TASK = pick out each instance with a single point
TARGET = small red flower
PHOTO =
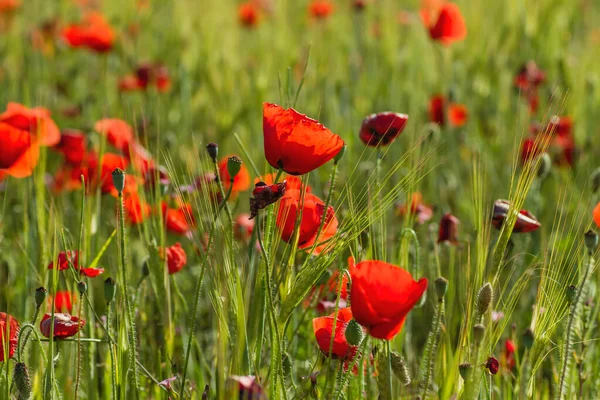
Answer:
(241, 181)
(383, 128)
(176, 258)
(449, 26)
(8, 6)
(457, 114)
(178, 220)
(63, 301)
(248, 387)
(448, 231)
(136, 209)
(320, 9)
(118, 132)
(91, 272)
(65, 325)
(249, 14)
(436, 110)
(147, 74)
(596, 214)
(492, 365)
(93, 32)
(562, 148)
(323, 330)
(264, 195)
(312, 214)
(295, 143)
(417, 208)
(72, 145)
(9, 332)
(66, 259)
(509, 353)
(526, 222)
(382, 295)
(527, 81)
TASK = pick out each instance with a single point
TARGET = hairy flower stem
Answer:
(573, 313)
(129, 309)
(432, 353)
(390, 387)
(111, 348)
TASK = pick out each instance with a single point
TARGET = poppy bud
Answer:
(492, 365)
(234, 164)
(571, 293)
(448, 231)
(464, 370)
(110, 288)
(545, 166)
(591, 240)
(354, 333)
(82, 287)
(595, 180)
(478, 333)
(340, 154)
(400, 369)
(40, 296)
(22, 381)
(441, 286)
(528, 338)
(118, 177)
(213, 151)
(484, 298)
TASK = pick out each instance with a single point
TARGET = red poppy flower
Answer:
(448, 231)
(382, 295)
(312, 213)
(562, 148)
(244, 226)
(436, 110)
(264, 195)
(295, 143)
(176, 219)
(8, 6)
(20, 152)
(136, 209)
(72, 146)
(9, 332)
(457, 114)
(422, 212)
(92, 32)
(323, 327)
(248, 15)
(596, 214)
(91, 272)
(332, 285)
(320, 9)
(65, 325)
(176, 258)
(492, 365)
(383, 128)
(147, 74)
(292, 181)
(509, 353)
(530, 76)
(63, 301)
(449, 26)
(118, 132)
(526, 222)
(248, 387)
(66, 259)
(36, 121)
(241, 181)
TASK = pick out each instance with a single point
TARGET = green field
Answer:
(420, 176)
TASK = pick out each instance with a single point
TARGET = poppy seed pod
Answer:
(213, 151)
(464, 369)
(441, 286)
(571, 293)
(528, 338)
(40, 296)
(118, 178)
(591, 240)
(354, 333)
(400, 369)
(81, 287)
(234, 164)
(110, 288)
(484, 298)
(478, 333)
(22, 381)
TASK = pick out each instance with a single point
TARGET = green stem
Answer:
(111, 349)
(390, 387)
(430, 362)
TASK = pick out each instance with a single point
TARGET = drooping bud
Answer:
(591, 240)
(234, 164)
(82, 287)
(595, 180)
(340, 154)
(571, 293)
(118, 177)
(545, 166)
(22, 381)
(354, 333)
(464, 370)
(400, 369)
(40, 296)
(484, 298)
(213, 151)
(492, 365)
(528, 338)
(441, 286)
(478, 333)
(110, 288)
